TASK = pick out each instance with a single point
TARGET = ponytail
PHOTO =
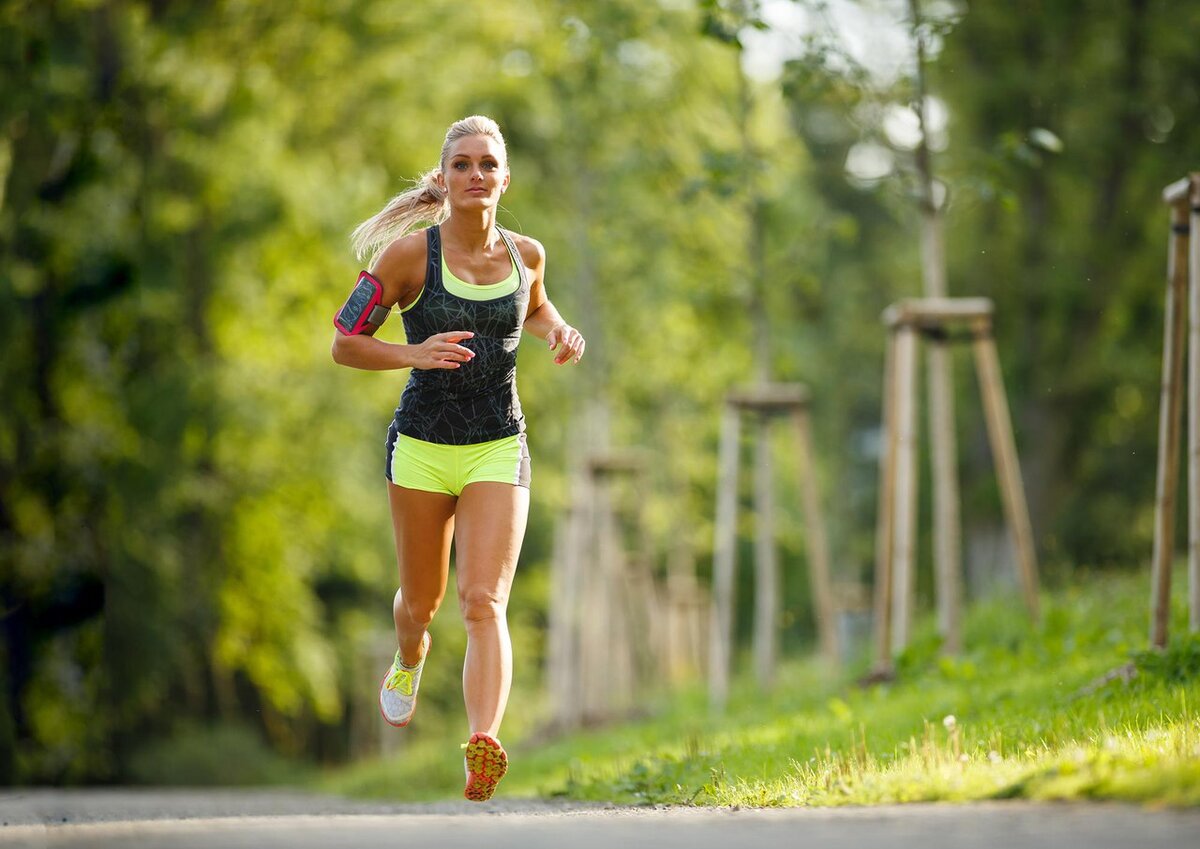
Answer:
(426, 201)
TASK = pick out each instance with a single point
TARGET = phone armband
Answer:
(363, 307)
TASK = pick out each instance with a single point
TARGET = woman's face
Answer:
(475, 172)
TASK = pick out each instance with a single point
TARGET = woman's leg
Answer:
(489, 527)
(424, 526)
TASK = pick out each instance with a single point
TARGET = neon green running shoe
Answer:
(398, 690)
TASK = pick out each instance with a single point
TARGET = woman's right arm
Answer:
(400, 270)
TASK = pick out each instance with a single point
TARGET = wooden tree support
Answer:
(606, 610)
(764, 402)
(895, 538)
(1181, 316)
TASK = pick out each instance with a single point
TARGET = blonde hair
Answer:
(426, 201)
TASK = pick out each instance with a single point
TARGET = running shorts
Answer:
(429, 466)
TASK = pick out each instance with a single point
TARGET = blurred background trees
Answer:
(193, 526)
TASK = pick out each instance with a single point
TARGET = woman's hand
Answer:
(567, 342)
(442, 350)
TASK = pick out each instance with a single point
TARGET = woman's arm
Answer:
(542, 319)
(400, 270)
(567, 342)
(364, 351)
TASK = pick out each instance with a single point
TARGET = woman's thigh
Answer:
(424, 527)
(489, 528)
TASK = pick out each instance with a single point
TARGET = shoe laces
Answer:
(401, 679)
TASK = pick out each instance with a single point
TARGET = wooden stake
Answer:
(1194, 413)
(614, 649)
(766, 564)
(885, 514)
(1169, 405)
(724, 562)
(947, 545)
(904, 547)
(1008, 470)
(818, 545)
(594, 601)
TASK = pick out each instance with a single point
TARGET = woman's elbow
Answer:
(338, 349)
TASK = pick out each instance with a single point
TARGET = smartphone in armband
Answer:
(363, 307)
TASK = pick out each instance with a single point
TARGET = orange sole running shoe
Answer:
(486, 764)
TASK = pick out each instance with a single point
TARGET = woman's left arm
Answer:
(542, 319)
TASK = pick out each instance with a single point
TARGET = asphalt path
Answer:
(183, 819)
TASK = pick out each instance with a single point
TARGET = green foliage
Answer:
(192, 520)
(664, 775)
(220, 755)
(1177, 663)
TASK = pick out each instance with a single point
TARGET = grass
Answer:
(1022, 713)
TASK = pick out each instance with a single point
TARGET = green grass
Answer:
(1022, 713)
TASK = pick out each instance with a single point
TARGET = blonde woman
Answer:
(457, 463)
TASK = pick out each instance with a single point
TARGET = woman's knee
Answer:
(479, 604)
(420, 611)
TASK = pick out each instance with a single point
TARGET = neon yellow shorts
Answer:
(416, 464)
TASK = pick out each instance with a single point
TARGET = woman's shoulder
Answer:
(403, 257)
(531, 250)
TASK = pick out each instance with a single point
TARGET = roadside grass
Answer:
(1076, 709)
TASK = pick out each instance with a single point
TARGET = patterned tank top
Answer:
(476, 402)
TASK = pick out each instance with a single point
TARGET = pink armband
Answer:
(363, 307)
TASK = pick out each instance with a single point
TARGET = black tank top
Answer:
(476, 402)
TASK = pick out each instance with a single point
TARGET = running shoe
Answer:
(398, 690)
(486, 763)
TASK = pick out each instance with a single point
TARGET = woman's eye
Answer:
(461, 166)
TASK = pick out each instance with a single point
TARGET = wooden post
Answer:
(947, 544)
(612, 655)
(594, 604)
(766, 564)
(1194, 413)
(905, 503)
(1004, 452)
(724, 562)
(818, 545)
(884, 518)
(1169, 405)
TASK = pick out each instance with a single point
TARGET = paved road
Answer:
(187, 819)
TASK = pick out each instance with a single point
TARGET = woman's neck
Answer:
(473, 233)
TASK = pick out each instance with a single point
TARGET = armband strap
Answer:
(379, 314)
(363, 307)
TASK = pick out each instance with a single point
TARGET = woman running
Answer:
(457, 462)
